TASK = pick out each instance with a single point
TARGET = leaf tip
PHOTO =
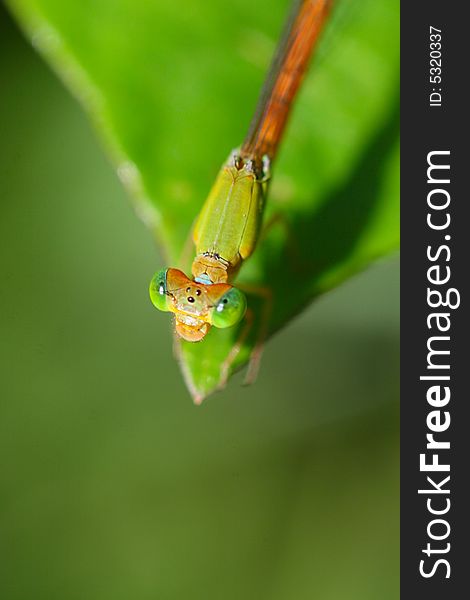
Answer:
(197, 397)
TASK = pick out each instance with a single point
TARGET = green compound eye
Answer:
(158, 289)
(229, 310)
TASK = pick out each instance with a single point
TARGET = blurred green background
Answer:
(113, 485)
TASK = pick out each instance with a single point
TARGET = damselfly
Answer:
(229, 225)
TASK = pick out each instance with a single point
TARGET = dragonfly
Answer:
(229, 225)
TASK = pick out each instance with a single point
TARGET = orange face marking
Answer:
(192, 304)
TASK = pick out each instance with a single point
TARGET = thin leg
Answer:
(232, 355)
(255, 358)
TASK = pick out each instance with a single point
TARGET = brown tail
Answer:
(284, 78)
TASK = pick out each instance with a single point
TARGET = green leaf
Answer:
(171, 86)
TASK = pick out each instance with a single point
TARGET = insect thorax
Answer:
(210, 268)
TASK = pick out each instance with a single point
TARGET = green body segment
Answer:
(229, 223)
